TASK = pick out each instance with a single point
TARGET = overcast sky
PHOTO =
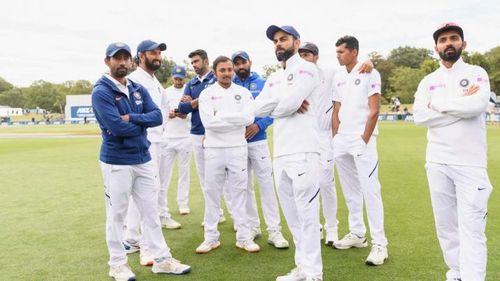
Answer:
(65, 40)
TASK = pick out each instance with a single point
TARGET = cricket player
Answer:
(259, 159)
(178, 143)
(124, 110)
(451, 102)
(290, 96)
(354, 126)
(225, 110)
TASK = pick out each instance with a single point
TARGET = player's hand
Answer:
(303, 107)
(472, 90)
(186, 98)
(182, 116)
(366, 67)
(171, 114)
(194, 103)
(125, 118)
(251, 131)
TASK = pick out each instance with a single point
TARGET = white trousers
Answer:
(259, 163)
(459, 197)
(136, 182)
(180, 148)
(327, 182)
(221, 165)
(357, 165)
(296, 178)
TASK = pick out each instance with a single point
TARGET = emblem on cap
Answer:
(357, 81)
(464, 82)
(119, 44)
(237, 97)
(290, 77)
(178, 70)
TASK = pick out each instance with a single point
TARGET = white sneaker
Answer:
(131, 247)
(248, 246)
(294, 275)
(169, 223)
(349, 241)
(121, 273)
(277, 240)
(255, 233)
(171, 266)
(207, 246)
(331, 237)
(377, 255)
(145, 258)
(184, 210)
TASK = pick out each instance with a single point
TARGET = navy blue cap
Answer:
(178, 72)
(148, 45)
(114, 48)
(240, 54)
(309, 47)
(285, 28)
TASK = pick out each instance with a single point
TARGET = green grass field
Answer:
(52, 222)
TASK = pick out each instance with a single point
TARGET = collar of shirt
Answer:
(454, 67)
(120, 86)
(145, 73)
(201, 78)
(294, 60)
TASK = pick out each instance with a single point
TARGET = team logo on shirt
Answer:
(137, 95)
(464, 82)
(290, 77)
(237, 97)
(357, 81)
(253, 86)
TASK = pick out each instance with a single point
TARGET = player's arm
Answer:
(265, 103)
(371, 122)
(210, 116)
(335, 117)
(240, 118)
(185, 105)
(151, 115)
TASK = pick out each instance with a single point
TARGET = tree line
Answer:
(400, 71)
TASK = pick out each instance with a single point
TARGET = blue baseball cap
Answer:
(178, 72)
(114, 48)
(285, 28)
(240, 54)
(148, 45)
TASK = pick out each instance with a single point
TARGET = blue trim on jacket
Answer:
(124, 143)
(193, 89)
(254, 83)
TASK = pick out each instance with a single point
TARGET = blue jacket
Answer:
(124, 143)
(254, 83)
(193, 89)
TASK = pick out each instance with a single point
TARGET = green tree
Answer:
(493, 58)
(163, 74)
(385, 68)
(80, 87)
(4, 85)
(13, 98)
(409, 56)
(46, 95)
(404, 82)
(268, 69)
(429, 65)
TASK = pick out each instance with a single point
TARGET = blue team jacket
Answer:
(193, 89)
(124, 143)
(254, 83)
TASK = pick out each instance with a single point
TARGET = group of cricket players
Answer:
(321, 119)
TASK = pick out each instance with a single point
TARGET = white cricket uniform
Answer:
(326, 178)
(178, 144)
(157, 93)
(296, 155)
(225, 113)
(456, 164)
(356, 161)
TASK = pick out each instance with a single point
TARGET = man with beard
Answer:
(149, 57)
(451, 102)
(259, 159)
(124, 109)
(354, 127)
(290, 97)
(189, 104)
(225, 110)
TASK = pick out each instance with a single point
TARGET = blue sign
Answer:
(82, 111)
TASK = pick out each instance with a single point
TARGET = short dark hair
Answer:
(219, 60)
(203, 55)
(351, 42)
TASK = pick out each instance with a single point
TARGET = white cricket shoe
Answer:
(294, 275)
(377, 255)
(184, 210)
(255, 233)
(131, 246)
(171, 266)
(349, 241)
(207, 246)
(121, 273)
(145, 258)
(248, 246)
(169, 223)
(331, 237)
(277, 240)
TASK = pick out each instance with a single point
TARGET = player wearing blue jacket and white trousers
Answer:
(225, 110)
(124, 110)
(290, 98)
(259, 159)
(354, 125)
(451, 102)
